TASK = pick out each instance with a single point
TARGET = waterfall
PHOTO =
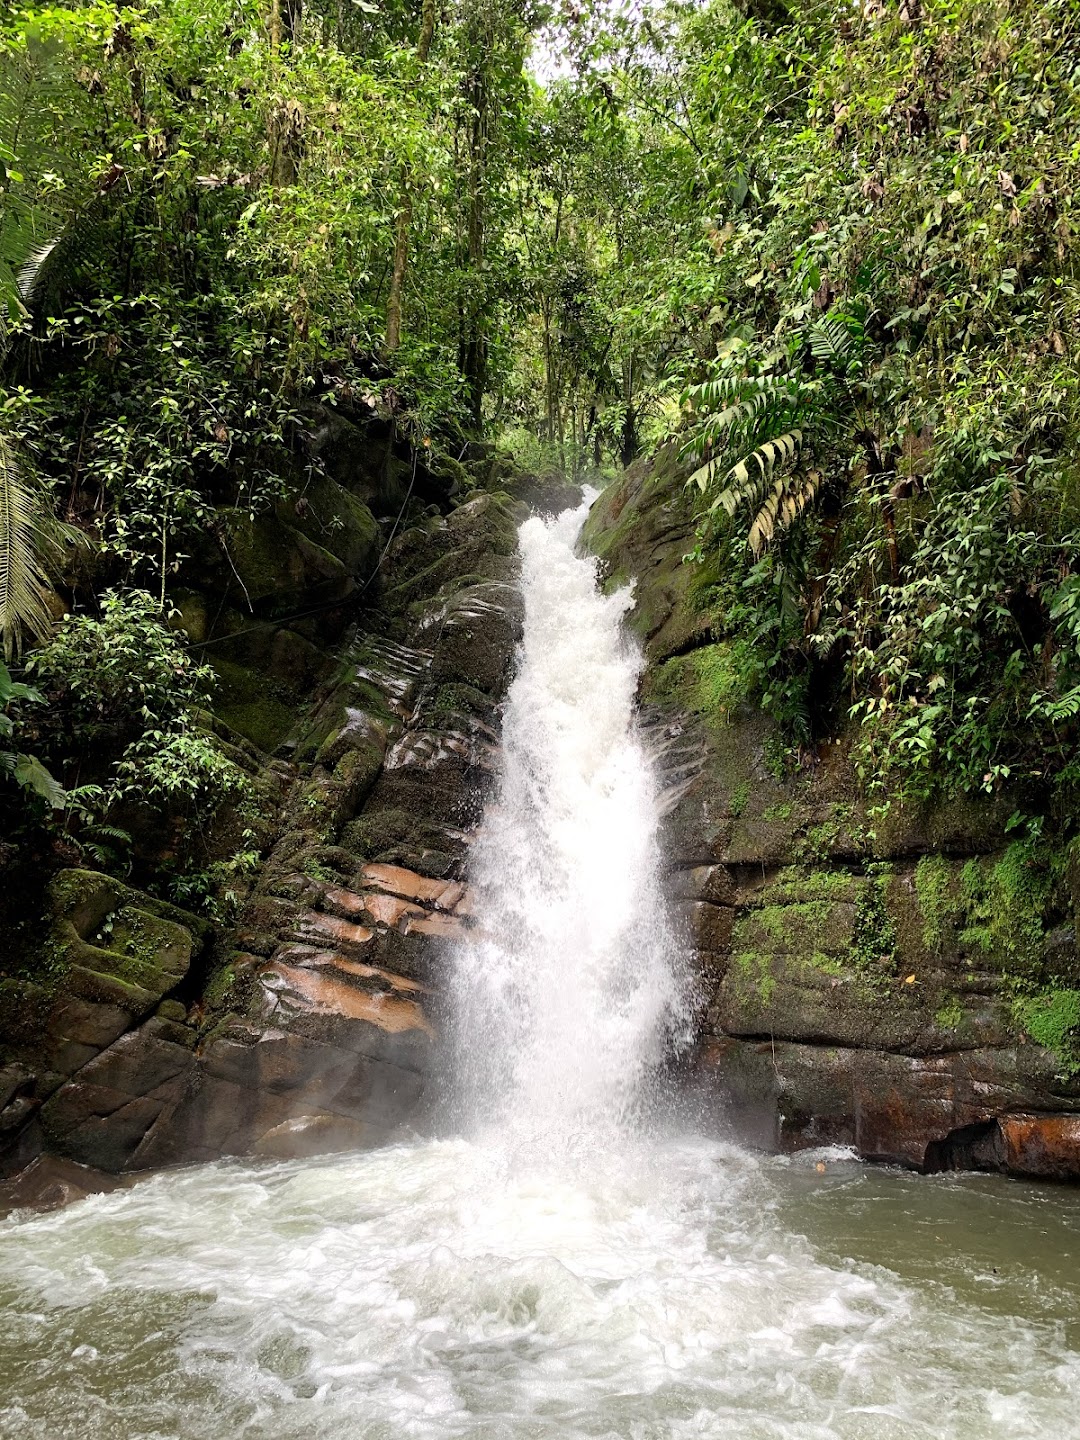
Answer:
(564, 1005)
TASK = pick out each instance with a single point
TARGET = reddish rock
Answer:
(396, 880)
(443, 927)
(344, 903)
(941, 1112)
(322, 928)
(308, 958)
(1043, 1146)
(390, 911)
(321, 992)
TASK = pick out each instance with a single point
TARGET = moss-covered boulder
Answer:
(640, 527)
(115, 946)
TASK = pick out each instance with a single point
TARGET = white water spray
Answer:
(565, 1005)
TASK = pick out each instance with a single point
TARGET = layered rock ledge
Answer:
(865, 979)
(138, 1036)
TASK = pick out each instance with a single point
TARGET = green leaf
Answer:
(32, 775)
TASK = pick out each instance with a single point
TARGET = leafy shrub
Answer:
(124, 697)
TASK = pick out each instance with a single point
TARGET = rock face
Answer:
(149, 1038)
(893, 983)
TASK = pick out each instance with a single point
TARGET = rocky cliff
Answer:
(885, 980)
(135, 1035)
(880, 977)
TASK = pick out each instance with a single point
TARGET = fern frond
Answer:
(31, 271)
(836, 341)
(28, 543)
(791, 495)
(32, 775)
(52, 267)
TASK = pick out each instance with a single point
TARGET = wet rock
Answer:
(1044, 1147)
(899, 1108)
(396, 880)
(306, 1135)
(49, 1183)
(314, 1029)
(480, 626)
(714, 884)
(859, 974)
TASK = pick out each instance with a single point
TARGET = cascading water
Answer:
(559, 1270)
(565, 1003)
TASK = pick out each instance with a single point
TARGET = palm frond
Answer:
(29, 543)
(836, 341)
(763, 484)
(790, 496)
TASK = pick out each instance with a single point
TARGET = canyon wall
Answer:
(873, 976)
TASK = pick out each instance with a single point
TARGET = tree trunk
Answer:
(405, 209)
(286, 126)
(628, 445)
(474, 353)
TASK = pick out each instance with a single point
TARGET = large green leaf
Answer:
(32, 774)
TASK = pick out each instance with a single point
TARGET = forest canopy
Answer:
(825, 254)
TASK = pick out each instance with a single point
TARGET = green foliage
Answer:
(1052, 1019)
(828, 254)
(26, 771)
(847, 243)
(123, 685)
(761, 427)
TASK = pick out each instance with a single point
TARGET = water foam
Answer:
(441, 1290)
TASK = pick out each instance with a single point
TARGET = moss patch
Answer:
(796, 883)
(874, 937)
(937, 902)
(1052, 1019)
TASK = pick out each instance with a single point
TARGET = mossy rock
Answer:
(808, 885)
(481, 625)
(269, 566)
(266, 676)
(336, 521)
(246, 707)
(803, 928)
(371, 834)
(117, 945)
(477, 539)
(640, 527)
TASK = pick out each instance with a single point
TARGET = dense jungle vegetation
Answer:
(828, 252)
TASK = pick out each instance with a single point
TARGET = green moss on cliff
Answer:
(933, 886)
(1051, 1018)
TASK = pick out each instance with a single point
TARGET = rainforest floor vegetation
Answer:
(825, 253)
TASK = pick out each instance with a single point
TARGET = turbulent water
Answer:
(560, 1267)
